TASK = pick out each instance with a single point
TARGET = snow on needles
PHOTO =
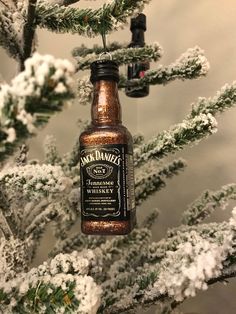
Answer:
(45, 80)
(35, 181)
(188, 269)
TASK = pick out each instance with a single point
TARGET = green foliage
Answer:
(153, 180)
(86, 22)
(124, 56)
(207, 203)
(83, 51)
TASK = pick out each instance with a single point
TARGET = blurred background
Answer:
(176, 25)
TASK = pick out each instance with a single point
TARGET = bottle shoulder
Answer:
(102, 135)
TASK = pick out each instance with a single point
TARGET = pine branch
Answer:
(31, 184)
(191, 130)
(15, 257)
(37, 226)
(21, 158)
(78, 242)
(68, 213)
(10, 218)
(207, 203)
(129, 259)
(31, 98)
(35, 182)
(86, 22)
(191, 64)
(148, 261)
(6, 230)
(224, 99)
(150, 181)
(9, 39)
(170, 277)
(60, 284)
(28, 32)
(207, 230)
(113, 250)
(227, 273)
(124, 292)
(180, 135)
(51, 152)
(124, 56)
(138, 139)
(83, 51)
(151, 219)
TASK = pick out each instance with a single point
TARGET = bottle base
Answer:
(137, 93)
(106, 227)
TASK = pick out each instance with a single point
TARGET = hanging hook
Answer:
(105, 54)
(103, 32)
(104, 40)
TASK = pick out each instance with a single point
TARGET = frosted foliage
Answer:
(38, 71)
(207, 203)
(124, 55)
(188, 269)
(14, 257)
(95, 274)
(194, 56)
(85, 89)
(187, 132)
(44, 77)
(191, 64)
(58, 274)
(35, 181)
(83, 285)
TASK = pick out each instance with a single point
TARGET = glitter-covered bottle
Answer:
(106, 160)
(137, 70)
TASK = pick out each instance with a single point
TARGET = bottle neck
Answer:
(138, 38)
(106, 109)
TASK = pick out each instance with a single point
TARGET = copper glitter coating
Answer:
(106, 128)
(108, 227)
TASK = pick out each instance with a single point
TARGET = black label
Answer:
(107, 182)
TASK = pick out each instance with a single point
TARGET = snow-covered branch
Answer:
(34, 182)
(10, 38)
(77, 241)
(50, 151)
(185, 264)
(87, 22)
(60, 284)
(224, 99)
(151, 219)
(150, 178)
(32, 97)
(190, 65)
(207, 203)
(124, 56)
(27, 199)
(180, 135)
(83, 51)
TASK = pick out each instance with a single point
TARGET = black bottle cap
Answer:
(104, 70)
(139, 22)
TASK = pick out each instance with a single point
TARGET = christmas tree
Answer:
(96, 274)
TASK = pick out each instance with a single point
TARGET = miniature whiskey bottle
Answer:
(137, 70)
(106, 160)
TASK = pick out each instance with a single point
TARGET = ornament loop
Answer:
(105, 55)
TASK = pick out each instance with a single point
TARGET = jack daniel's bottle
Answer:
(137, 70)
(106, 160)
